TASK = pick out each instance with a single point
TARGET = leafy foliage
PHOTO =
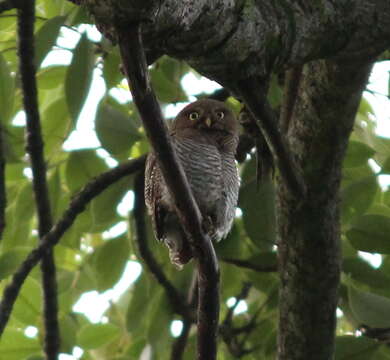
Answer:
(90, 258)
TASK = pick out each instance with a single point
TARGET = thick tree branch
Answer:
(76, 206)
(254, 36)
(34, 147)
(134, 63)
(177, 301)
(309, 231)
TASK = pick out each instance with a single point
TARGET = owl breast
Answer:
(213, 178)
(214, 181)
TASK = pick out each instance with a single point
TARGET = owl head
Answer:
(209, 117)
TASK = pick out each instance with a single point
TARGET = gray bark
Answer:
(228, 40)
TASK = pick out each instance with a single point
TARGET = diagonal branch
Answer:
(252, 92)
(26, 14)
(250, 265)
(76, 206)
(174, 296)
(134, 63)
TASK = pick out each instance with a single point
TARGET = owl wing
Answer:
(153, 195)
(226, 206)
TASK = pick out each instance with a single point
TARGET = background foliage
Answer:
(88, 258)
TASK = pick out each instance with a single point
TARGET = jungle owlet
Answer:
(204, 135)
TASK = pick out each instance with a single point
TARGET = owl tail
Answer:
(180, 252)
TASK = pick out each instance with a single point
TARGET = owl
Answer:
(205, 136)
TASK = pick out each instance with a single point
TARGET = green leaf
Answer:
(68, 330)
(79, 76)
(361, 271)
(110, 261)
(7, 91)
(15, 345)
(10, 261)
(56, 126)
(103, 207)
(13, 138)
(51, 77)
(231, 246)
(81, 167)
(258, 208)
(28, 305)
(25, 203)
(111, 72)
(357, 154)
(371, 233)
(115, 130)
(370, 309)
(386, 166)
(165, 76)
(355, 348)
(93, 336)
(139, 305)
(159, 320)
(46, 38)
(357, 197)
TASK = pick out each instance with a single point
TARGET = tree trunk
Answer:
(309, 234)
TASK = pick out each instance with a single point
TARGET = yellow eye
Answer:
(220, 115)
(194, 116)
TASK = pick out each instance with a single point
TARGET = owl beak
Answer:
(208, 122)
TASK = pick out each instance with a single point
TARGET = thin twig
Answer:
(180, 343)
(249, 265)
(177, 301)
(76, 206)
(134, 63)
(34, 148)
(252, 92)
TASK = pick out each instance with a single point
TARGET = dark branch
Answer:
(264, 161)
(76, 206)
(179, 345)
(252, 93)
(177, 301)
(134, 63)
(241, 296)
(219, 94)
(6, 5)
(249, 265)
(34, 147)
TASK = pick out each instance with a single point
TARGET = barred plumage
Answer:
(205, 137)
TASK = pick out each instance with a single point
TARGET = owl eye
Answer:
(220, 115)
(194, 116)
